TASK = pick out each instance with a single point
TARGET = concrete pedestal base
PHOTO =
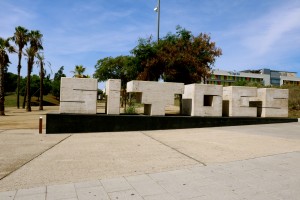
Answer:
(83, 123)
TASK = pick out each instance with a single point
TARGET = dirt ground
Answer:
(20, 119)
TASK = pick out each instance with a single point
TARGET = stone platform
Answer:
(83, 123)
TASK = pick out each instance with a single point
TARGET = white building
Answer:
(263, 76)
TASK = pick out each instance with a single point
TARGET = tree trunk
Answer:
(28, 108)
(19, 77)
(18, 87)
(41, 86)
(2, 94)
(25, 96)
(180, 104)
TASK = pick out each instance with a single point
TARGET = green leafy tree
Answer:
(121, 67)
(56, 82)
(10, 82)
(35, 40)
(146, 60)
(20, 38)
(5, 49)
(35, 85)
(180, 57)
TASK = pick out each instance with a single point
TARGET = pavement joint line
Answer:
(190, 157)
(265, 156)
(35, 157)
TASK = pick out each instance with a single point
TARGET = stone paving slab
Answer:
(285, 130)
(270, 177)
(225, 144)
(82, 157)
(85, 156)
(20, 146)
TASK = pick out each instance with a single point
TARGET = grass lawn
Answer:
(11, 100)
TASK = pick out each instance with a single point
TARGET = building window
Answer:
(275, 81)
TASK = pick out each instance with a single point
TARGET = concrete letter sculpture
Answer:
(155, 95)
(78, 95)
(274, 102)
(113, 89)
(202, 100)
(236, 101)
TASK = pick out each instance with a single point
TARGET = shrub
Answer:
(130, 109)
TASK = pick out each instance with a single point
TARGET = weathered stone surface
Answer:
(202, 100)
(155, 95)
(236, 101)
(113, 89)
(78, 95)
(274, 102)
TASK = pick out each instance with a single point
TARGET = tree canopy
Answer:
(121, 67)
(180, 57)
(78, 72)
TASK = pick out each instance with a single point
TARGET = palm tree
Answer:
(5, 48)
(20, 38)
(41, 63)
(35, 40)
(79, 70)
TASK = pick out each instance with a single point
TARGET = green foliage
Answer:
(146, 60)
(78, 72)
(248, 84)
(35, 85)
(55, 91)
(99, 91)
(121, 67)
(294, 96)
(5, 49)
(180, 57)
(131, 109)
(10, 82)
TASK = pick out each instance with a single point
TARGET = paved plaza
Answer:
(239, 162)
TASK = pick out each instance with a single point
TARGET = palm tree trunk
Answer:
(2, 94)
(28, 108)
(19, 77)
(41, 86)
(25, 96)
(18, 87)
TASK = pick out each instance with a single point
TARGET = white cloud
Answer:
(12, 16)
(270, 40)
(272, 31)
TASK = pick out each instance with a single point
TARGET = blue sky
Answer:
(252, 34)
